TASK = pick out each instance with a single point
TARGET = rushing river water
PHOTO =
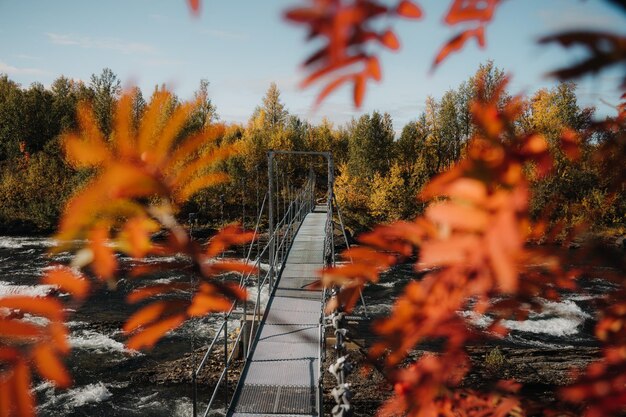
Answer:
(102, 366)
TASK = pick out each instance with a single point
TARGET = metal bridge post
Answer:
(270, 186)
(225, 361)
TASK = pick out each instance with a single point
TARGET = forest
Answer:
(379, 171)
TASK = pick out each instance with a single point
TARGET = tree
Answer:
(11, 124)
(370, 145)
(40, 125)
(206, 112)
(64, 101)
(106, 89)
(138, 106)
(274, 109)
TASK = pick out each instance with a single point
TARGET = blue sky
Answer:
(241, 46)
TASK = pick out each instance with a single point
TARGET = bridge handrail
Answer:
(302, 204)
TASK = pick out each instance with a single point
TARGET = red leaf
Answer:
(359, 90)
(302, 14)
(50, 367)
(408, 9)
(457, 43)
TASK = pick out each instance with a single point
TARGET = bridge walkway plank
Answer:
(281, 378)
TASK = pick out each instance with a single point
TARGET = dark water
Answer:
(102, 367)
(100, 364)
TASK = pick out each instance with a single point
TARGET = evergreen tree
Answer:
(106, 89)
(371, 145)
(11, 122)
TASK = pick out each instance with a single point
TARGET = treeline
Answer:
(378, 173)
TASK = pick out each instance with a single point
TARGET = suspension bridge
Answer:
(283, 343)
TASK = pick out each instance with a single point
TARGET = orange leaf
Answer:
(152, 290)
(457, 43)
(570, 144)
(46, 307)
(359, 90)
(226, 237)
(458, 216)
(390, 40)
(123, 125)
(360, 254)
(18, 329)
(334, 66)
(467, 10)
(205, 303)
(502, 263)
(58, 335)
(50, 367)
(408, 9)
(8, 354)
(373, 68)
(67, 280)
(455, 250)
(145, 315)
(82, 153)
(200, 183)
(330, 87)
(135, 236)
(6, 395)
(21, 390)
(104, 262)
(150, 335)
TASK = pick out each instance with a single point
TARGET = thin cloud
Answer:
(224, 34)
(11, 70)
(112, 44)
(28, 57)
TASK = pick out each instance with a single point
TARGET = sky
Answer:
(241, 46)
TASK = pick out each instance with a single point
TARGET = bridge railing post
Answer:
(270, 185)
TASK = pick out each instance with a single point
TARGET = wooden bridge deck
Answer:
(281, 378)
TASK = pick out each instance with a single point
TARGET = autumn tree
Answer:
(275, 114)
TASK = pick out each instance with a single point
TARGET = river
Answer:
(102, 366)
